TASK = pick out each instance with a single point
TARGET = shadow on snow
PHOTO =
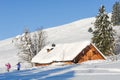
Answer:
(37, 74)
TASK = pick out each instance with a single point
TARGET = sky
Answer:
(16, 15)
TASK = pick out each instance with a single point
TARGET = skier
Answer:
(8, 66)
(18, 66)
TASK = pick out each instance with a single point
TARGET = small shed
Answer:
(68, 53)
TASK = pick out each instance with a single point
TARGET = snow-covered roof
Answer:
(99, 51)
(61, 52)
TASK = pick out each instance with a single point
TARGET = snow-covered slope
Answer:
(101, 70)
(69, 33)
(8, 52)
(72, 32)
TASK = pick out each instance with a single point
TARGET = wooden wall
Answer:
(88, 53)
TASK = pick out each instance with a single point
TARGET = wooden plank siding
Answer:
(88, 53)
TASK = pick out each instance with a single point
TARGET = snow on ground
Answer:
(97, 70)
(74, 32)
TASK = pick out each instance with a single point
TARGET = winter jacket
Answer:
(8, 66)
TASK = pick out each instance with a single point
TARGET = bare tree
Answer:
(24, 44)
(29, 45)
(39, 40)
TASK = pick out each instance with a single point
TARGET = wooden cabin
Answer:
(69, 53)
(90, 52)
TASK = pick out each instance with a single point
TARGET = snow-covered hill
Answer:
(73, 32)
(8, 53)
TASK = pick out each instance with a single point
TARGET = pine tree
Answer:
(115, 18)
(103, 33)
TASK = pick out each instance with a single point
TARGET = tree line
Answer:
(104, 36)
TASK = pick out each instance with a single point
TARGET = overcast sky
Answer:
(16, 15)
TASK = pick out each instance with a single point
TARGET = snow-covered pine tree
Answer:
(115, 18)
(103, 33)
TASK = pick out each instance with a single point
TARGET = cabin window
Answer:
(94, 52)
(88, 47)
